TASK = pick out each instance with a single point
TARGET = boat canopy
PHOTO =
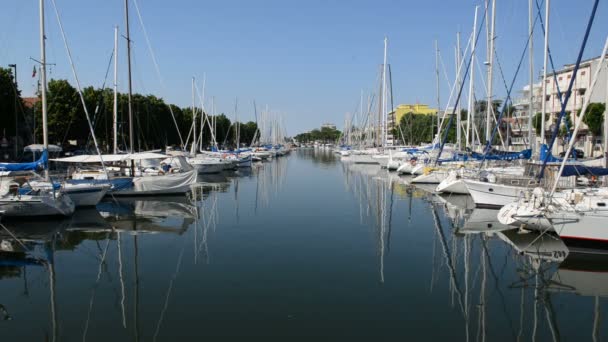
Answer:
(40, 148)
(37, 165)
(503, 155)
(110, 158)
(582, 170)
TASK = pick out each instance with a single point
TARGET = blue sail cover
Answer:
(503, 155)
(455, 157)
(545, 153)
(39, 164)
(582, 170)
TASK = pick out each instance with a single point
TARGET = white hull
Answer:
(405, 168)
(434, 177)
(393, 165)
(453, 186)
(32, 206)
(85, 195)
(363, 159)
(482, 221)
(208, 168)
(492, 194)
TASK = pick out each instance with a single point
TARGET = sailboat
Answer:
(17, 200)
(136, 174)
(577, 215)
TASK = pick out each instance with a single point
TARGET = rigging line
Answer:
(504, 81)
(445, 73)
(157, 68)
(101, 262)
(169, 290)
(569, 91)
(78, 87)
(101, 96)
(549, 54)
(122, 283)
(496, 285)
(466, 72)
(14, 237)
(521, 60)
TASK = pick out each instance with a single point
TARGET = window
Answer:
(548, 98)
(548, 81)
(582, 91)
(569, 76)
(560, 78)
(582, 73)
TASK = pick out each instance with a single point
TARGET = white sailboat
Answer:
(578, 216)
(16, 201)
(136, 174)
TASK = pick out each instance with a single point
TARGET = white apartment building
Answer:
(521, 116)
(561, 79)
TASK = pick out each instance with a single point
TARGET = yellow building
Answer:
(418, 108)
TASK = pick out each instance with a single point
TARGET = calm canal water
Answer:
(298, 248)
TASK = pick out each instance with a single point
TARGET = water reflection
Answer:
(295, 245)
(494, 273)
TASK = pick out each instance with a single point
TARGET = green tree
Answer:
(63, 110)
(537, 122)
(565, 126)
(8, 94)
(594, 118)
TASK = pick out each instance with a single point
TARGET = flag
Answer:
(34, 72)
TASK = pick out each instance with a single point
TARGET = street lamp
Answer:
(14, 66)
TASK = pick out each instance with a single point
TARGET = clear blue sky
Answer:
(307, 59)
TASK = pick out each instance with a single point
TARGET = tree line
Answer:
(325, 135)
(154, 126)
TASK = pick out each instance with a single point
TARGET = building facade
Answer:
(580, 91)
(394, 117)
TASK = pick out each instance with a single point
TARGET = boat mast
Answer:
(115, 108)
(45, 132)
(471, 110)
(459, 82)
(605, 124)
(544, 86)
(384, 99)
(490, 63)
(438, 98)
(128, 37)
(193, 149)
(531, 55)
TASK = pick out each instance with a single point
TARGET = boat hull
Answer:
(86, 195)
(492, 195)
(36, 206)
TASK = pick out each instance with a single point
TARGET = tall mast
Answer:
(438, 98)
(489, 106)
(471, 109)
(193, 149)
(544, 86)
(459, 82)
(131, 145)
(384, 92)
(605, 122)
(115, 108)
(531, 55)
(45, 132)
